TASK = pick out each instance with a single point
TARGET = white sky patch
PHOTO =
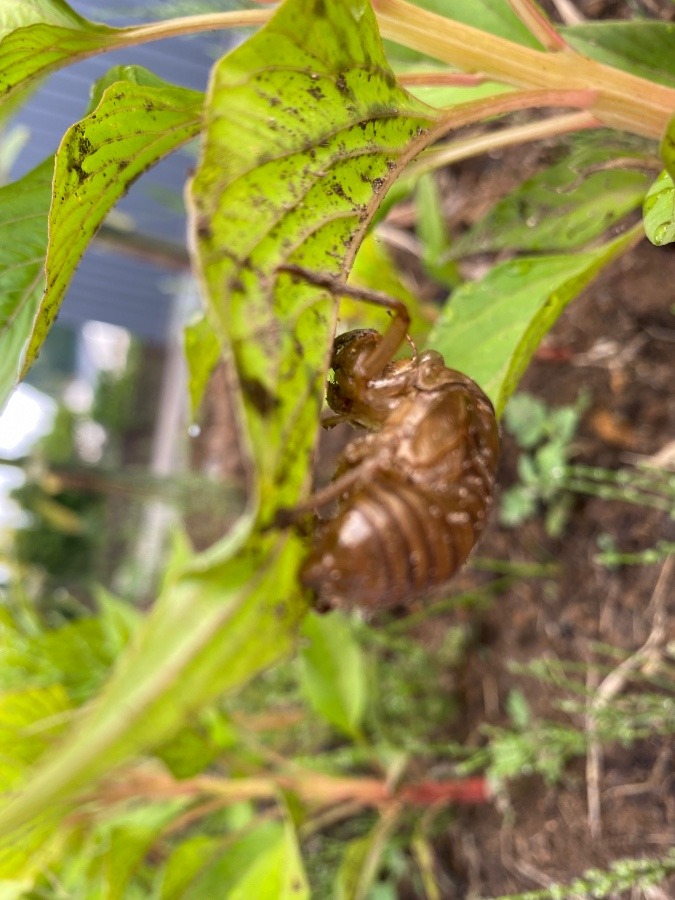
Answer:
(106, 346)
(28, 416)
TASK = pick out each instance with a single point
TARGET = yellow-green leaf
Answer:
(135, 124)
(305, 129)
(509, 311)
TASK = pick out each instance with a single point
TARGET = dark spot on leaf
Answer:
(84, 145)
(79, 172)
(341, 84)
(320, 8)
(258, 396)
(316, 92)
(203, 228)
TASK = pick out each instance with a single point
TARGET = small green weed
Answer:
(545, 435)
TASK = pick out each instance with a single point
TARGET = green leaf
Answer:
(659, 206)
(667, 148)
(334, 671)
(566, 205)
(525, 416)
(361, 861)
(641, 47)
(517, 504)
(185, 863)
(22, 741)
(134, 125)
(508, 312)
(212, 628)
(296, 158)
(451, 95)
(297, 154)
(39, 36)
(659, 211)
(106, 859)
(433, 232)
(518, 709)
(265, 863)
(24, 206)
(202, 352)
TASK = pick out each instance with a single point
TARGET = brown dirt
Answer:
(541, 833)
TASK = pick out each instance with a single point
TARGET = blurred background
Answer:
(108, 393)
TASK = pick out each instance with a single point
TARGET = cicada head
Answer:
(359, 400)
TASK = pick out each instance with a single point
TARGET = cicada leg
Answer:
(326, 495)
(392, 339)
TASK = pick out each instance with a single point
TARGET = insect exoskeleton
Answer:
(412, 493)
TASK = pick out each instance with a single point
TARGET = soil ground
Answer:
(546, 834)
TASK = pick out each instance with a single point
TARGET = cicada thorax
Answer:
(417, 487)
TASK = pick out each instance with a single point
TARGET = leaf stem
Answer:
(156, 31)
(465, 148)
(538, 24)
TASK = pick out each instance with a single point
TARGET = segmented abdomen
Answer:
(404, 530)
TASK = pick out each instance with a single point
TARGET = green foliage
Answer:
(611, 557)
(547, 435)
(642, 485)
(432, 232)
(641, 47)
(567, 205)
(23, 245)
(623, 875)
(304, 130)
(334, 672)
(136, 122)
(659, 209)
(512, 308)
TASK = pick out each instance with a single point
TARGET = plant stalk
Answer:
(622, 101)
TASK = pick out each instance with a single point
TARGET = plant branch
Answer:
(440, 78)
(311, 786)
(178, 27)
(622, 100)
(538, 24)
(498, 140)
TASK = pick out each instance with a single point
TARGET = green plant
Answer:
(547, 435)
(623, 875)
(304, 130)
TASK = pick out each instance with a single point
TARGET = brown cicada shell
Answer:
(414, 491)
